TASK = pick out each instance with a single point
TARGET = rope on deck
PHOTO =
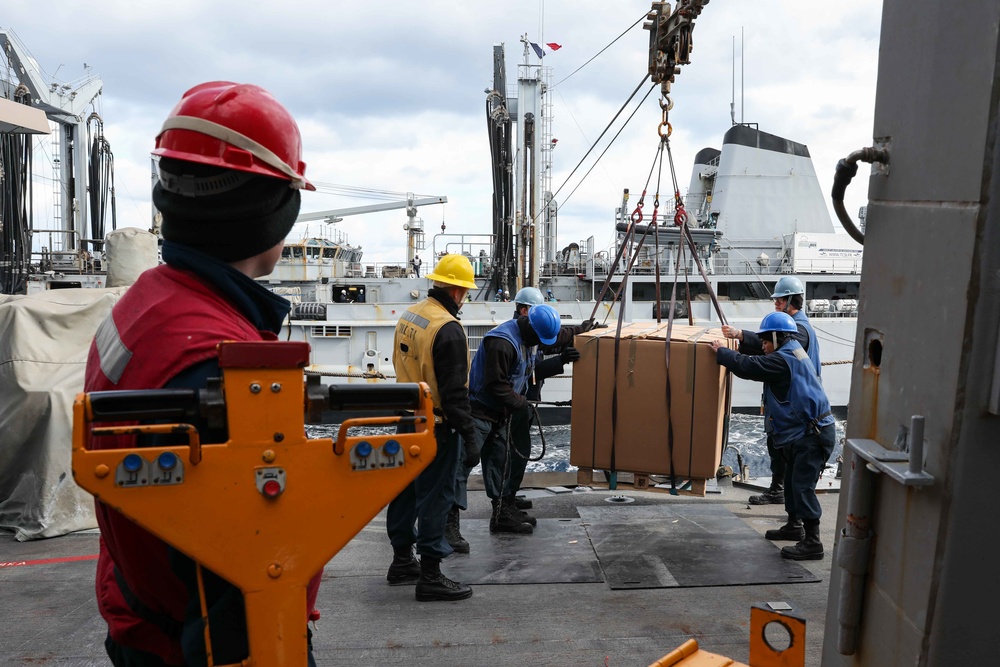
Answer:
(837, 363)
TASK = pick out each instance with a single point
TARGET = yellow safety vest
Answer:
(414, 341)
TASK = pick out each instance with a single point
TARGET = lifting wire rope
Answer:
(630, 249)
(594, 57)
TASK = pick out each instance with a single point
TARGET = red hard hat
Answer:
(234, 126)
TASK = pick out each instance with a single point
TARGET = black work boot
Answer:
(405, 568)
(775, 495)
(453, 534)
(522, 503)
(433, 585)
(504, 521)
(809, 548)
(790, 532)
(511, 503)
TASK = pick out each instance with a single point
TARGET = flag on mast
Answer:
(548, 47)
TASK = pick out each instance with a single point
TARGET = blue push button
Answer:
(167, 460)
(363, 449)
(132, 463)
(391, 448)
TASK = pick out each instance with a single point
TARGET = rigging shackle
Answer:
(680, 213)
(659, 130)
(637, 214)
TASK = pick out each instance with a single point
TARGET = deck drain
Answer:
(619, 499)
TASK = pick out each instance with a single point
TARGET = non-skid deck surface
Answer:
(557, 552)
(665, 546)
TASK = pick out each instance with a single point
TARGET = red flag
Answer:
(553, 46)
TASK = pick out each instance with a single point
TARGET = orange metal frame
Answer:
(269, 547)
(762, 654)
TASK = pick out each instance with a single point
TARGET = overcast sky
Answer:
(391, 96)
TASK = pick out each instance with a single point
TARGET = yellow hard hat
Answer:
(454, 270)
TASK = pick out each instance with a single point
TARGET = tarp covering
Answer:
(44, 340)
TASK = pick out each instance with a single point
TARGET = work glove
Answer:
(587, 325)
(569, 355)
(470, 450)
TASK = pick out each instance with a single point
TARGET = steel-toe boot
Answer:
(809, 548)
(405, 568)
(511, 503)
(775, 495)
(453, 534)
(433, 585)
(791, 531)
(505, 521)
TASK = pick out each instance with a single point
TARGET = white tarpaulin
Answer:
(44, 340)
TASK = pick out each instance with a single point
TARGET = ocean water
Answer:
(746, 441)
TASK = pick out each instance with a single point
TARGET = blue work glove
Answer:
(569, 355)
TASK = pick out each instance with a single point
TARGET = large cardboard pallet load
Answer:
(621, 414)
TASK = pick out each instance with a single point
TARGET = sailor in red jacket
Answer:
(230, 175)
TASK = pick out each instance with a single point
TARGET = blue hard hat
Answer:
(781, 322)
(788, 286)
(528, 296)
(545, 321)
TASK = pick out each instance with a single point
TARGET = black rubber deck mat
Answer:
(685, 546)
(557, 552)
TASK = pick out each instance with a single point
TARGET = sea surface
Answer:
(746, 442)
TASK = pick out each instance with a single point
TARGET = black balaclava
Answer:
(230, 225)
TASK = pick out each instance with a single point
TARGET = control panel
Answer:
(135, 470)
(365, 456)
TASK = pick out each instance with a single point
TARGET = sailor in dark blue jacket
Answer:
(798, 420)
(788, 296)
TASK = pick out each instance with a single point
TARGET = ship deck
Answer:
(539, 608)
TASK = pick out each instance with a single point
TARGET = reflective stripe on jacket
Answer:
(413, 344)
(169, 320)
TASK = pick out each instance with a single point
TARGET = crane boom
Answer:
(371, 208)
(414, 226)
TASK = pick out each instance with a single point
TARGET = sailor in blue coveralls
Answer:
(798, 420)
(788, 298)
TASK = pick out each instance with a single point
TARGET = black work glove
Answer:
(470, 450)
(587, 325)
(569, 355)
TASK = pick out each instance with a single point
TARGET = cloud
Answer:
(392, 97)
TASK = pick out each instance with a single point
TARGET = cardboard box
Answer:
(620, 419)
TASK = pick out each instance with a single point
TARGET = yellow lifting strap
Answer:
(267, 509)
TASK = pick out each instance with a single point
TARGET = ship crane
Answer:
(414, 226)
(65, 105)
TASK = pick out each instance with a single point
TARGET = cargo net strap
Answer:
(630, 248)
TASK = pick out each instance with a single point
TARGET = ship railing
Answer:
(824, 265)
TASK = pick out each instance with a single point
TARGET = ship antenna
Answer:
(732, 100)
(742, 70)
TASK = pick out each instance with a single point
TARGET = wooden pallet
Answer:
(638, 481)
